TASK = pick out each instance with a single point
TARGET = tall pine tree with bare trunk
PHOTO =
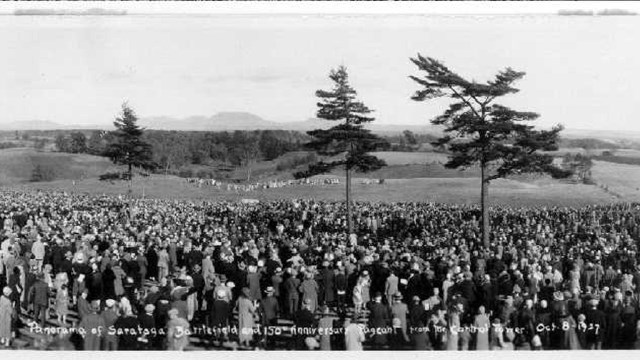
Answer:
(347, 144)
(480, 132)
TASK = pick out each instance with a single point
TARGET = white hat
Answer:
(110, 302)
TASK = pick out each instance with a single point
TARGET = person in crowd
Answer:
(305, 322)
(353, 334)
(110, 316)
(220, 315)
(379, 321)
(39, 298)
(91, 323)
(269, 308)
(246, 317)
(399, 311)
(177, 331)
(127, 339)
(325, 328)
(147, 340)
(6, 317)
(543, 268)
(291, 286)
(309, 290)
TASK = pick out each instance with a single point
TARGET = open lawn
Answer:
(620, 179)
(627, 153)
(410, 177)
(416, 171)
(410, 158)
(16, 165)
(465, 191)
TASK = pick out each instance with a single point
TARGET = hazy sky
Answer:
(581, 71)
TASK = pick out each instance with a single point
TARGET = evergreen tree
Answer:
(481, 132)
(128, 148)
(349, 138)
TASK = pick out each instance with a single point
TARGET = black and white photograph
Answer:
(273, 177)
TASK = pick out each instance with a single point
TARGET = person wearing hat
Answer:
(269, 307)
(6, 316)
(91, 323)
(595, 316)
(325, 326)
(309, 289)
(177, 331)
(304, 320)
(379, 319)
(163, 263)
(148, 323)
(399, 310)
(62, 303)
(246, 316)
(39, 298)
(560, 314)
(391, 286)
(38, 251)
(291, 286)
(220, 313)
(277, 283)
(418, 319)
(109, 316)
(354, 334)
(127, 340)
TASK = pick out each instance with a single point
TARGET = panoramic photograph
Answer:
(352, 180)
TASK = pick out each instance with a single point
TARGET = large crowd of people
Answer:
(109, 272)
(271, 184)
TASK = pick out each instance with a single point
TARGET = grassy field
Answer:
(627, 153)
(620, 179)
(410, 177)
(449, 190)
(416, 171)
(16, 165)
(410, 158)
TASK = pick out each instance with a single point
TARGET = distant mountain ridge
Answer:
(43, 125)
(231, 121)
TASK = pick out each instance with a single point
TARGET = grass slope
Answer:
(449, 190)
(16, 165)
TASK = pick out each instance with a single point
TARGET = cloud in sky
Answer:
(580, 71)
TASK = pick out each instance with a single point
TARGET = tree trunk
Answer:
(130, 180)
(484, 206)
(349, 224)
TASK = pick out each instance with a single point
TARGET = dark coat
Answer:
(380, 318)
(39, 293)
(127, 341)
(270, 309)
(221, 311)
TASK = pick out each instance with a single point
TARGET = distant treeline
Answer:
(588, 144)
(8, 145)
(174, 149)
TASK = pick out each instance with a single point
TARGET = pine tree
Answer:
(348, 143)
(481, 132)
(128, 148)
